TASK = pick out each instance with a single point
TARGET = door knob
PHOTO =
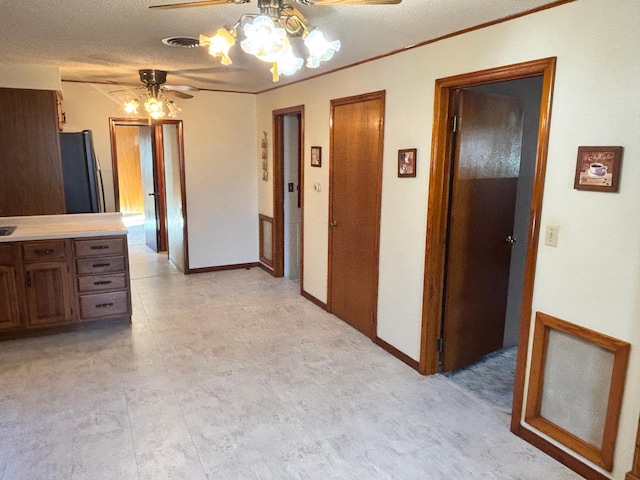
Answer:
(153, 194)
(510, 240)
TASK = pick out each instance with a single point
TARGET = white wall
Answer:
(220, 166)
(36, 77)
(595, 103)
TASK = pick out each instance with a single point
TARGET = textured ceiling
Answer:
(109, 40)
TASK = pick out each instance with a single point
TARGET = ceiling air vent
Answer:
(184, 42)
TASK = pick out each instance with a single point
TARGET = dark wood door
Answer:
(354, 210)
(483, 193)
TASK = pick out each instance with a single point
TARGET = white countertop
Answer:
(43, 227)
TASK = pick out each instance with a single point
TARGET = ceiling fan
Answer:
(277, 3)
(266, 35)
(154, 98)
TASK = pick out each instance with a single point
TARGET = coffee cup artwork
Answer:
(598, 169)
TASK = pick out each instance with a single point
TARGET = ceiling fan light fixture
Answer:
(156, 104)
(267, 36)
(320, 49)
(173, 109)
(131, 107)
(264, 39)
(154, 107)
(220, 44)
(289, 63)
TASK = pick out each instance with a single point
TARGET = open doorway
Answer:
(149, 186)
(288, 128)
(492, 172)
(440, 198)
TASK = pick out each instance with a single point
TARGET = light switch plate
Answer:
(551, 235)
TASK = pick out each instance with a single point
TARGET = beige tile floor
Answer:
(233, 375)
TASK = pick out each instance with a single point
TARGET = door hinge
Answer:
(454, 123)
(440, 344)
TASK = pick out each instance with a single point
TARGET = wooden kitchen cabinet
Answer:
(31, 181)
(48, 284)
(102, 277)
(53, 280)
(10, 304)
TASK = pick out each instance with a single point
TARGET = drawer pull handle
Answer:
(102, 282)
(104, 305)
(99, 247)
(42, 251)
(99, 265)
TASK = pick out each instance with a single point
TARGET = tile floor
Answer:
(233, 375)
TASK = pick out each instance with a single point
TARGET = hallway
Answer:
(233, 375)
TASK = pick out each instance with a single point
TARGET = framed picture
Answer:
(407, 162)
(316, 156)
(598, 169)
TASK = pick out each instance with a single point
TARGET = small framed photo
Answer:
(598, 169)
(407, 162)
(316, 156)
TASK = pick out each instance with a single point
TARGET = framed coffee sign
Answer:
(598, 169)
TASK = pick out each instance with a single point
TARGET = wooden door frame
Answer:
(159, 164)
(161, 227)
(377, 186)
(278, 189)
(436, 239)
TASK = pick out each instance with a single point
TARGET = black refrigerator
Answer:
(83, 190)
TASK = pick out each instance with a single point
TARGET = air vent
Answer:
(183, 42)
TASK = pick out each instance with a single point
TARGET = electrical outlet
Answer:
(551, 235)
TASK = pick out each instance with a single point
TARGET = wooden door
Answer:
(483, 193)
(149, 190)
(354, 209)
(130, 195)
(174, 193)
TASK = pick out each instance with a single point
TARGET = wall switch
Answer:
(290, 187)
(551, 235)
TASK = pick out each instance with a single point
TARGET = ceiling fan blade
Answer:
(178, 94)
(352, 2)
(181, 88)
(130, 89)
(201, 3)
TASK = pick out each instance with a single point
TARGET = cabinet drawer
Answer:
(104, 305)
(44, 251)
(88, 266)
(99, 246)
(117, 281)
